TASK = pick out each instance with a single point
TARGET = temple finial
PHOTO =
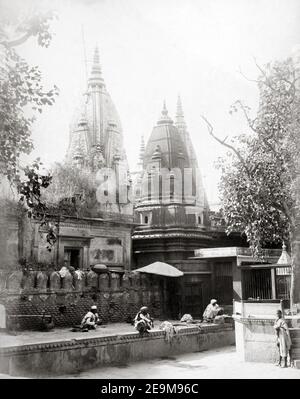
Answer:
(164, 118)
(285, 258)
(164, 110)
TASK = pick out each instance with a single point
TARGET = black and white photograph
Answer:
(149, 193)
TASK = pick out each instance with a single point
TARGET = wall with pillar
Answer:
(117, 296)
(98, 241)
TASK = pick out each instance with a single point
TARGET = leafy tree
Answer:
(259, 177)
(21, 89)
(72, 191)
(22, 97)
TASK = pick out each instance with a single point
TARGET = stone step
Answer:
(295, 332)
(295, 353)
(297, 364)
(296, 342)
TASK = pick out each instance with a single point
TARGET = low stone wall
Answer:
(71, 356)
(118, 297)
(255, 339)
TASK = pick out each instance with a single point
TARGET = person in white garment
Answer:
(91, 319)
(211, 311)
(142, 321)
(283, 339)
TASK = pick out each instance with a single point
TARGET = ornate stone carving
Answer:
(79, 280)
(103, 282)
(92, 279)
(125, 281)
(67, 281)
(29, 280)
(41, 280)
(14, 281)
(114, 281)
(55, 281)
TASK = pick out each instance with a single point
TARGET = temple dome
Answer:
(166, 144)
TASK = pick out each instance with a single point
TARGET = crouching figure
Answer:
(91, 319)
(142, 321)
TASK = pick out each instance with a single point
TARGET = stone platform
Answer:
(61, 351)
(254, 332)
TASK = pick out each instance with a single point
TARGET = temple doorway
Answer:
(192, 300)
(72, 257)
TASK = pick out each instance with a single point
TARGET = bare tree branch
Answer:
(246, 77)
(231, 147)
(17, 42)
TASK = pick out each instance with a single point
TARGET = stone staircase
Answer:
(295, 352)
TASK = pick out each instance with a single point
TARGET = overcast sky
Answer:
(152, 50)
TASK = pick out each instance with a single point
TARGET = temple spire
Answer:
(96, 78)
(96, 56)
(180, 122)
(142, 149)
(141, 155)
(179, 107)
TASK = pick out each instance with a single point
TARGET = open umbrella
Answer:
(161, 269)
(164, 270)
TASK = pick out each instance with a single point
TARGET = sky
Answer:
(151, 51)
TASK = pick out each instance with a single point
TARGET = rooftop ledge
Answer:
(263, 319)
(222, 252)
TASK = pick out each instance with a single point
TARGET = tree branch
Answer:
(17, 42)
(231, 147)
(249, 120)
(245, 77)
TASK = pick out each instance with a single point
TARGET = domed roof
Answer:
(166, 144)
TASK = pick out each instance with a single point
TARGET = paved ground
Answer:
(220, 363)
(217, 363)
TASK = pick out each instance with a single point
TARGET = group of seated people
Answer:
(143, 321)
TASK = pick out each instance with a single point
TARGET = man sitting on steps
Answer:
(90, 320)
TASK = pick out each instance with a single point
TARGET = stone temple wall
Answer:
(117, 296)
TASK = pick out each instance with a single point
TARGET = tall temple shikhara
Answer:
(97, 140)
(96, 145)
(170, 201)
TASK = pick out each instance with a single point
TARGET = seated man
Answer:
(211, 311)
(142, 321)
(90, 320)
